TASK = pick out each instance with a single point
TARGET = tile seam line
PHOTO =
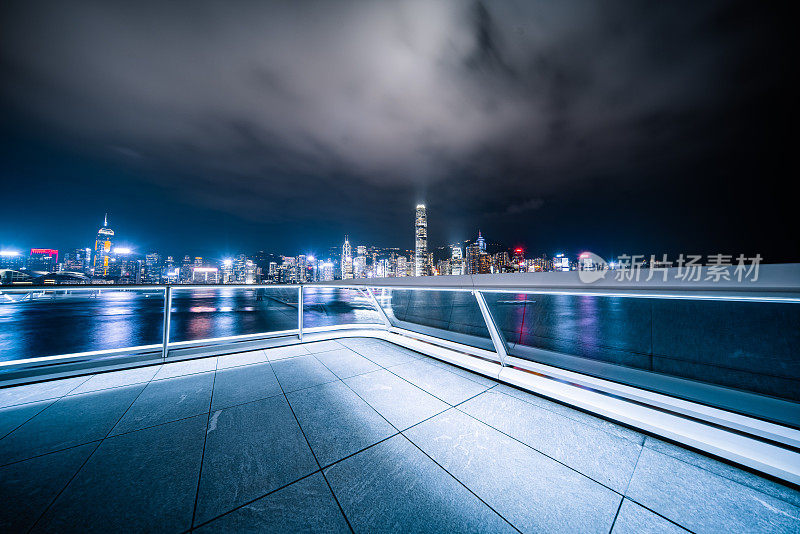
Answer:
(203, 453)
(74, 475)
(501, 516)
(313, 454)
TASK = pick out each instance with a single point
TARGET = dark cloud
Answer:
(291, 111)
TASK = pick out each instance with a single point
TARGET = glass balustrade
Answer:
(335, 306)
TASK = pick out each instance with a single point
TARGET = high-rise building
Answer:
(103, 249)
(43, 259)
(347, 260)
(402, 266)
(360, 262)
(153, 266)
(456, 260)
(11, 259)
(421, 241)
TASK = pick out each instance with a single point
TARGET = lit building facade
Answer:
(103, 253)
(421, 241)
(347, 260)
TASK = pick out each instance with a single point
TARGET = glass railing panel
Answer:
(673, 346)
(204, 313)
(332, 306)
(49, 322)
(450, 315)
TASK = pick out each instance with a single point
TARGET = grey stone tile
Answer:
(53, 389)
(281, 353)
(68, 422)
(305, 506)
(746, 478)
(251, 449)
(449, 387)
(604, 457)
(163, 401)
(137, 482)
(635, 519)
(336, 421)
(577, 415)
(14, 416)
(401, 403)
(186, 367)
(345, 363)
(393, 487)
(322, 346)
(28, 487)
(357, 342)
(535, 493)
(244, 384)
(117, 378)
(702, 501)
(301, 372)
(475, 377)
(241, 358)
(388, 355)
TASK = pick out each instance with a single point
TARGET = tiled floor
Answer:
(356, 434)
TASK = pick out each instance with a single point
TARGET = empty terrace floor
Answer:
(353, 434)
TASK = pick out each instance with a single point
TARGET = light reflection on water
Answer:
(54, 322)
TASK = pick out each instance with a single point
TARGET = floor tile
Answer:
(475, 377)
(305, 506)
(142, 481)
(251, 449)
(401, 403)
(281, 353)
(345, 363)
(388, 355)
(357, 342)
(533, 492)
(68, 422)
(704, 502)
(746, 478)
(244, 384)
(241, 358)
(117, 378)
(604, 457)
(52, 389)
(393, 487)
(336, 421)
(15, 416)
(186, 367)
(163, 401)
(572, 413)
(301, 372)
(27, 488)
(635, 519)
(449, 387)
(322, 346)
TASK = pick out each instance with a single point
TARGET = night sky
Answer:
(217, 127)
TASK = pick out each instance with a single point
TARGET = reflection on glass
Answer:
(330, 306)
(451, 315)
(49, 322)
(747, 346)
(219, 311)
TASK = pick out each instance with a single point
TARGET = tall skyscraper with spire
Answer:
(421, 241)
(347, 259)
(102, 249)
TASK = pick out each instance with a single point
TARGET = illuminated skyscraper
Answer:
(456, 261)
(347, 260)
(421, 241)
(102, 249)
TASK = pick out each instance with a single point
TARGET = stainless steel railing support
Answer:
(167, 314)
(494, 333)
(300, 312)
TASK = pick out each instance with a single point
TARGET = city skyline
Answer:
(614, 128)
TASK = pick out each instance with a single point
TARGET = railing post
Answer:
(377, 305)
(300, 312)
(494, 333)
(167, 315)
